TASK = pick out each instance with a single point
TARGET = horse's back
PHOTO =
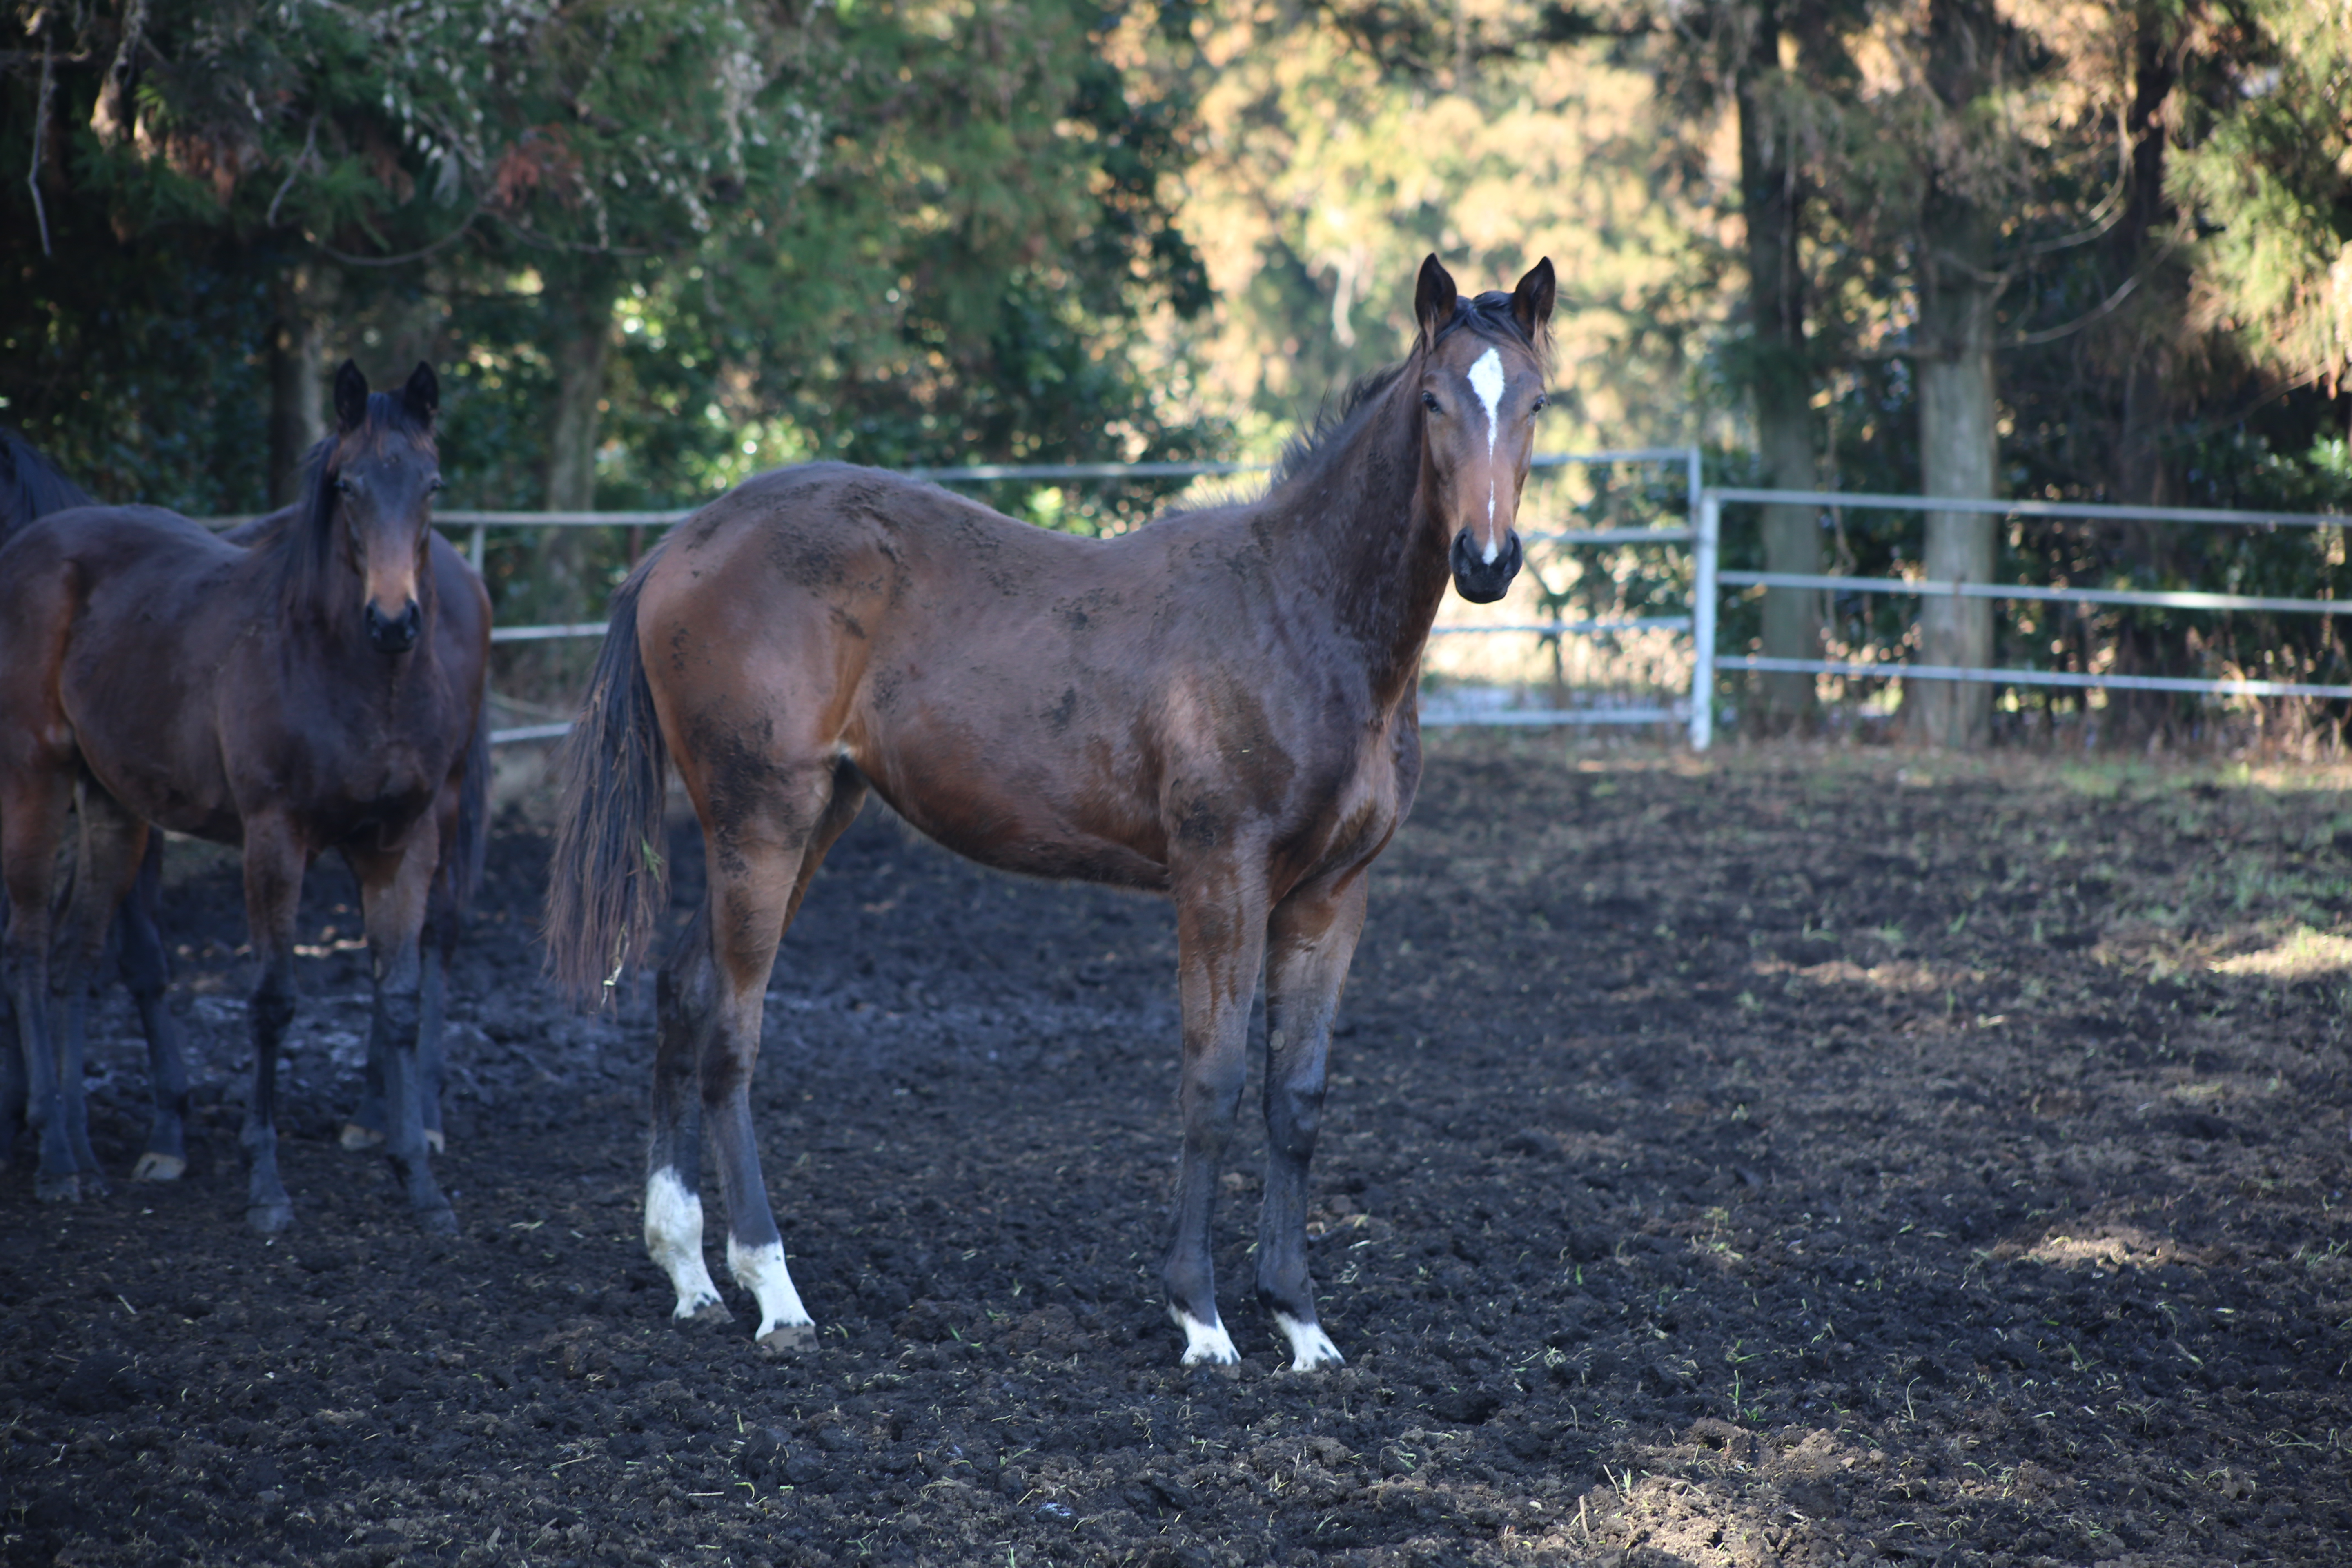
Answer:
(106, 538)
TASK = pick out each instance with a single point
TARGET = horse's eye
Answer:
(434, 483)
(344, 487)
(1543, 401)
(1429, 401)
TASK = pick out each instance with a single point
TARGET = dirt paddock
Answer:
(1797, 1157)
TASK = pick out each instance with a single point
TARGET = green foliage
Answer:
(902, 232)
(2267, 171)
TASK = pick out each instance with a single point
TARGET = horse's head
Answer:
(1481, 385)
(382, 470)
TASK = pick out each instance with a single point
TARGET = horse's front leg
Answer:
(275, 862)
(395, 888)
(1220, 939)
(365, 1126)
(1310, 938)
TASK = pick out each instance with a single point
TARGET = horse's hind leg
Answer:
(113, 844)
(755, 1248)
(147, 974)
(1310, 938)
(32, 821)
(682, 994)
(763, 855)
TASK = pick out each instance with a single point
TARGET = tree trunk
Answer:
(1781, 380)
(1958, 440)
(2142, 339)
(583, 327)
(297, 414)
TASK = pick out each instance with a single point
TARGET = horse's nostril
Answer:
(394, 634)
(1478, 580)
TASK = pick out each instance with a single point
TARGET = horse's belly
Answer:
(1028, 842)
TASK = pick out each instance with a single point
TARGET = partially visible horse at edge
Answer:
(1219, 706)
(31, 487)
(321, 690)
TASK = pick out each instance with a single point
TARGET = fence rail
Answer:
(478, 524)
(1703, 534)
(1711, 579)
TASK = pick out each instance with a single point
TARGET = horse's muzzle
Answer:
(397, 633)
(1480, 581)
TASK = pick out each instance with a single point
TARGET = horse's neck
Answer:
(1362, 540)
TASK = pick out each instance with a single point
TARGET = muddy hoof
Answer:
(708, 1314)
(65, 1189)
(154, 1167)
(442, 1221)
(787, 1339)
(268, 1219)
(358, 1137)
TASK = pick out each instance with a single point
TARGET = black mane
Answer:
(1489, 312)
(30, 485)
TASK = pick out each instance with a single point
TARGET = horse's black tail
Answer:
(30, 485)
(610, 880)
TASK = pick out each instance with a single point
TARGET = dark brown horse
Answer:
(1219, 707)
(316, 691)
(31, 487)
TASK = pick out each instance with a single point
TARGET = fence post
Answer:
(1703, 596)
(479, 547)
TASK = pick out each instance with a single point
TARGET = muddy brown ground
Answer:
(1795, 1157)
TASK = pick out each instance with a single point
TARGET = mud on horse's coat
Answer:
(1219, 707)
(319, 690)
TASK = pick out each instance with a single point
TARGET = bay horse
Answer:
(33, 487)
(321, 689)
(1219, 706)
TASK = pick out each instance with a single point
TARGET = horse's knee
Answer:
(1294, 1119)
(272, 1008)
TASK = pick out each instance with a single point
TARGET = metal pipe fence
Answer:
(1712, 579)
(1703, 534)
(478, 524)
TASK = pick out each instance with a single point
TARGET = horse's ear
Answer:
(1433, 298)
(422, 395)
(350, 396)
(1531, 300)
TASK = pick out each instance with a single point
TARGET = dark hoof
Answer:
(268, 1219)
(442, 1221)
(788, 1339)
(65, 1189)
(712, 1313)
(357, 1137)
(154, 1167)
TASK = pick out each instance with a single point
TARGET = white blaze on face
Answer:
(1486, 381)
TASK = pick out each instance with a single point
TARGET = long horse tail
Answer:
(31, 486)
(610, 881)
